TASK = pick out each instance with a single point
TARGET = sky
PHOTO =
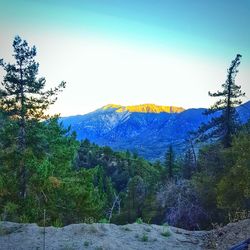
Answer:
(166, 52)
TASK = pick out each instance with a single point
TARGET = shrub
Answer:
(165, 230)
(144, 237)
(139, 221)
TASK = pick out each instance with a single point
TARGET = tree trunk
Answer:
(194, 154)
(22, 140)
(23, 174)
(227, 140)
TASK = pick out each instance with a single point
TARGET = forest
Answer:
(44, 170)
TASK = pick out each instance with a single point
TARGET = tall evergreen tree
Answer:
(169, 162)
(223, 126)
(23, 98)
(188, 164)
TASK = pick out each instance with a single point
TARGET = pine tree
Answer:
(188, 164)
(137, 191)
(169, 161)
(22, 98)
(224, 125)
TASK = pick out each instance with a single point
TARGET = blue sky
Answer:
(133, 51)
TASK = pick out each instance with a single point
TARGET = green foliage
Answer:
(134, 200)
(144, 237)
(104, 221)
(22, 94)
(170, 162)
(165, 230)
(57, 223)
(224, 126)
(188, 164)
(211, 160)
(10, 210)
(43, 167)
(120, 172)
(38, 154)
(223, 177)
(71, 194)
(233, 190)
(211, 166)
(139, 221)
(151, 211)
(119, 166)
(68, 195)
(24, 100)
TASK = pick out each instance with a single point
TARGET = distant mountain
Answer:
(146, 129)
(144, 108)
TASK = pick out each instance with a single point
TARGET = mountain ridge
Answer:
(147, 134)
(144, 108)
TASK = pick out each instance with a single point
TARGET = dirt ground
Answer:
(14, 236)
(229, 235)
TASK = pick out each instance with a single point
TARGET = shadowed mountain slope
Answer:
(145, 129)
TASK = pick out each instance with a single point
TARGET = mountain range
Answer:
(145, 129)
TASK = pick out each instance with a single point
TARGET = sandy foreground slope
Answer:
(109, 236)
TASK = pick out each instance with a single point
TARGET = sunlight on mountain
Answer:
(144, 108)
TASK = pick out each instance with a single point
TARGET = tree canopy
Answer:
(223, 124)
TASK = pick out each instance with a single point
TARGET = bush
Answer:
(181, 204)
(139, 221)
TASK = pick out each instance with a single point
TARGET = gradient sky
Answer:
(131, 51)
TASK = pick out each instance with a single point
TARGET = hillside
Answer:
(112, 237)
(144, 129)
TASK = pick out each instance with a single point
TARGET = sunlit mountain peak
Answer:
(144, 108)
